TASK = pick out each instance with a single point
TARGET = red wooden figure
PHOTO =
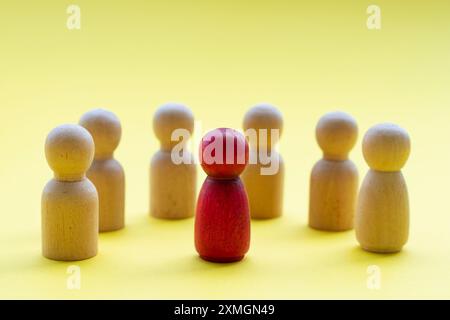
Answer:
(222, 221)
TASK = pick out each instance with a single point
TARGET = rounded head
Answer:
(170, 117)
(386, 147)
(69, 150)
(105, 128)
(224, 153)
(336, 134)
(264, 116)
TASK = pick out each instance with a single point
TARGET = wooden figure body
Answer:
(173, 184)
(334, 178)
(264, 189)
(222, 221)
(70, 200)
(382, 219)
(105, 172)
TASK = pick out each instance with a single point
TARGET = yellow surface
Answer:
(307, 57)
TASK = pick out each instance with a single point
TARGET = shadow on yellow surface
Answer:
(153, 258)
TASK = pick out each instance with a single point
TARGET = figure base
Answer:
(380, 250)
(222, 259)
(330, 229)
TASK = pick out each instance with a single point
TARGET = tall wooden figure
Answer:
(222, 222)
(173, 174)
(70, 200)
(334, 178)
(263, 178)
(382, 218)
(106, 172)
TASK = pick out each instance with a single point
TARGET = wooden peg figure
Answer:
(222, 221)
(382, 218)
(264, 187)
(106, 172)
(334, 178)
(69, 201)
(173, 174)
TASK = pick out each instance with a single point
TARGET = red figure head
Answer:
(224, 153)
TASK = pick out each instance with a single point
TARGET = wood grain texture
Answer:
(169, 117)
(265, 192)
(333, 189)
(105, 172)
(173, 186)
(334, 178)
(109, 179)
(382, 220)
(69, 204)
(69, 220)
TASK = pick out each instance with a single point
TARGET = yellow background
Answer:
(219, 58)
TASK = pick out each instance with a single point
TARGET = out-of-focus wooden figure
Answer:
(106, 172)
(264, 176)
(70, 200)
(334, 178)
(382, 218)
(173, 174)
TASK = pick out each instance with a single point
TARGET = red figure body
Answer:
(222, 221)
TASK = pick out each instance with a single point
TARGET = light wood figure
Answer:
(69, 201)
(173, 184)
(334, 178)
(382, 219)
(264, 190)
(106, 172)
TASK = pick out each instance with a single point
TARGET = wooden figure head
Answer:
(264, 116)
(336, 134)
(224, 153)
(167, 119)
(386, 147)
(105, 128)
(69, 150)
